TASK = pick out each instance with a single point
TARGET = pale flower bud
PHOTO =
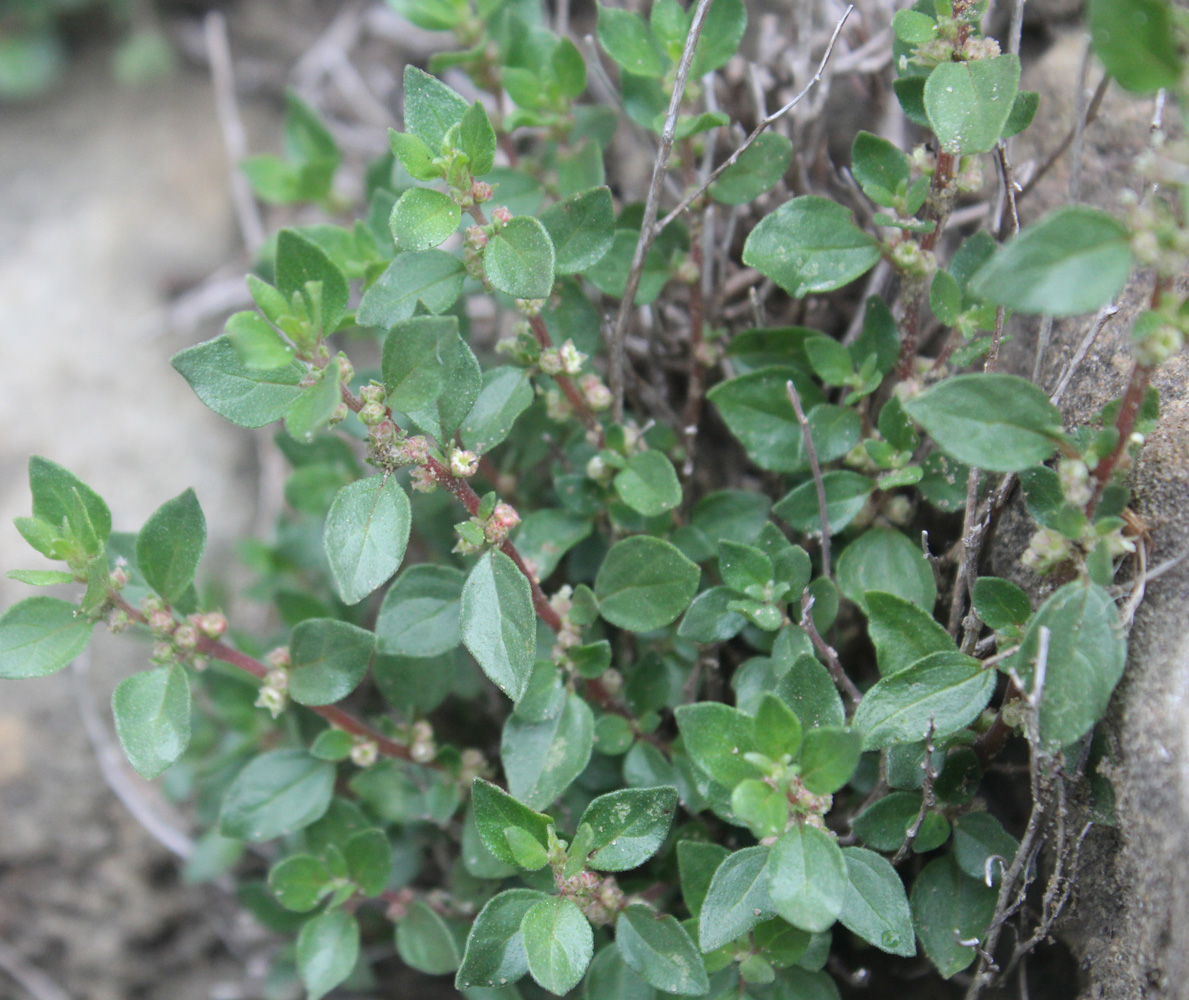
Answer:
(550, 362)
(571, 358)
(463, 463)
(364, 753)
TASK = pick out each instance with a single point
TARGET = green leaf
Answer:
(422, 218)
(519, 259)
(1072, 261)
(830, 360)
(256, 343)
(365, 535)
(629, 826)
(582, 229)
(913, 27)
(1001, 423)
(807, 878)
(717, 737)
(300, 264)
(610, 978)
(327, 949)
(61, 499)
(498, 624)
(40, 577)
(496, 811)
(495, 954)
(419, 615)
(477, 139)
(1023, 110)
(313, 409)
(945, 298)
(39, 636)
(1137, 42)
(777, 728)
(902, 633)
(644, 584)
(558, 943)
(810, 245)
(697, 862)
(413, 363)
(736, 900)
(886, 560)
(846, 496)
(657, 948)
(152, 714)
(879, 166)
(948, 905)
(246, 396)
(432, 15)
(277, 793)
(829, 757)
(875, 906)
(425, 942)
(414, 155)
(968, 103)
(709, 619)
(758, 169)
(330, 658)
(431, 108)
(944, 690)
(809, 691)
(369, 860)
(722, 32)
(333, 745)
(569, 67)
(461, 381)
(542, 759)
(299, 882)
(648, 484)
(507, 392)
(979, 836)
(545, 536)
(1000, 603)
(1087, 653)
(626, 39)
(433, 278)
(884, 825)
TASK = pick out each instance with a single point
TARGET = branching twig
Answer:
(833, 663)
(647, 231)
(927, 799)
(818, 482)
(764, 124)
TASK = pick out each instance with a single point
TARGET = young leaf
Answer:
(299, 882)
(495, 954)
(736, 900)
(1072, 261)
(807, 878)
(278, 792)
(39, 636)
(942, 692)
(425, 942)
(327, 949)
(422, 218)
(875, 906)
(758, 169)
(644, 584)
(808, 689)
(246, 396)
(498, 624)
(256, 343)
(709, 619)
(846, 496)
(902, 633)
(330, 658)
(879, 166)
(1001, 423)
(519, 260)
(947, 906)
(558, 943)
(170, 545)
(419, 615)
(649, 484)
(414, 155)
(629, 826)
(657, 948)
(431, 108)
(1137, 43)
(433, 278)
(369, 860)
(1085, 660)
(301, 263)
(886, 560)
(152, 714)
(477, 139)
(365, 535)
(582, 229)
(542, 759)
(968, 102)
(810, 245)
(1000, 603)
(507, 392)
(315, 407)
(62, 500)
(716, 737)
(496, 811)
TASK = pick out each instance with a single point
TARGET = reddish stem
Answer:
(565, 383)
(1129, 408)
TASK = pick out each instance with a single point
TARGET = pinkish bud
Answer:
(278, 658)
(476, 237)
(501, 215)
(372, 414)
(481, 191)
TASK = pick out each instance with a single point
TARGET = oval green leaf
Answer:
(645, 583)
